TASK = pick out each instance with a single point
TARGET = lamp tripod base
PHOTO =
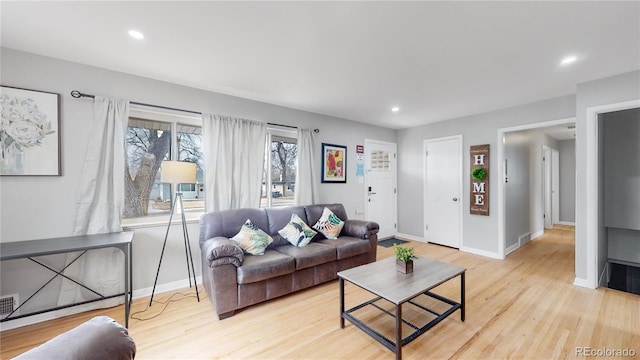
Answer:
(187, 249)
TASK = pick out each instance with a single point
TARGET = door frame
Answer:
(501, 186)
(461, 198)
(547, 179)
(367, 143)
(590, 226)
(555, 186)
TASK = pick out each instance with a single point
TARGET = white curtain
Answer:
(100, 202)
(234, 157)
(307, 175)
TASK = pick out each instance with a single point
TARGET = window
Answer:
(151, 138)
(279, 176)
(380, 161)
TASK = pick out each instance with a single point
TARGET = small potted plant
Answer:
(404, 258)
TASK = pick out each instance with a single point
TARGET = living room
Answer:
(36, 207)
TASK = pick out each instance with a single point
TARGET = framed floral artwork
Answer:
(29, 132)
(334, 163)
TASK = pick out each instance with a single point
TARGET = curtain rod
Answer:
(77, 94)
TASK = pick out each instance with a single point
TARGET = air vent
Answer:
(8, 304)
(524, 238)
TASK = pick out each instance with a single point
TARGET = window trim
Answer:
(277, 131)
(173, 117)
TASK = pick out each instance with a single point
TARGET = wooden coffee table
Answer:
(382, 279)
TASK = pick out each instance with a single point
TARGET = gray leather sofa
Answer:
(235, 280)
(100, 338)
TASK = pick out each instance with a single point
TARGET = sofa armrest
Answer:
(99, 338)
(221, 251)
(360, 228)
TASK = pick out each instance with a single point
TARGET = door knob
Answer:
(455, 199)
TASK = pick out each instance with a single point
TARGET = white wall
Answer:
(480, 233)
(516, 189)
(567, 181)
(44, 207)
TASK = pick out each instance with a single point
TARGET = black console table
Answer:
(82, 243)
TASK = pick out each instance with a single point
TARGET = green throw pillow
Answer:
(297, 232)
(251, 239)
(329, 224)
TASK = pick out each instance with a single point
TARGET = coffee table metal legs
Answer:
(341, 303)
(398, 331)
(462, 295)
(399, 341)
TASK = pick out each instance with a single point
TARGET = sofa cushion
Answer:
(310, 255)
(315, 211)
(347, 246)
(270, 265)
(297, 232)
(252, 239)
(227, 223)
(278, 218)
(329, 224)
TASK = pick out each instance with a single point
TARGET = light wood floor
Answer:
(524, 307)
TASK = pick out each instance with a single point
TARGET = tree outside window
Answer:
(281, 167)
(148, 143)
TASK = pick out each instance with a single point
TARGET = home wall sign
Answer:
(479, 170)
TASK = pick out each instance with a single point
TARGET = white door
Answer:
(443, 191)
(380, 186)
(555, 186)
(546, 186)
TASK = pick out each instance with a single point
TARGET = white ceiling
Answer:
(354, 60)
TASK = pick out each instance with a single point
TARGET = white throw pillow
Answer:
(251, 239)
(297, 232)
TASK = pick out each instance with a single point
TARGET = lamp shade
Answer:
(178, 172)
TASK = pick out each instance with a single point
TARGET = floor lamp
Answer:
(175, 173)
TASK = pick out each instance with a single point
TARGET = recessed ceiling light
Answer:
(136, 34)
(568, 60)
(395, 109)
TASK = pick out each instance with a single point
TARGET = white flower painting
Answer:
(29, 132)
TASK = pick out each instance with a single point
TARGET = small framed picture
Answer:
(29, 132)
(334, 163)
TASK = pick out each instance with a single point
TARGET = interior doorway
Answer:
(530, 189)
(596, 260)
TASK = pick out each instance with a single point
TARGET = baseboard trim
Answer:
(489, 254)
(409, 237)
(568, 223)
(582, 283)
(175, 285)
(512, 248)
(537, 234)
